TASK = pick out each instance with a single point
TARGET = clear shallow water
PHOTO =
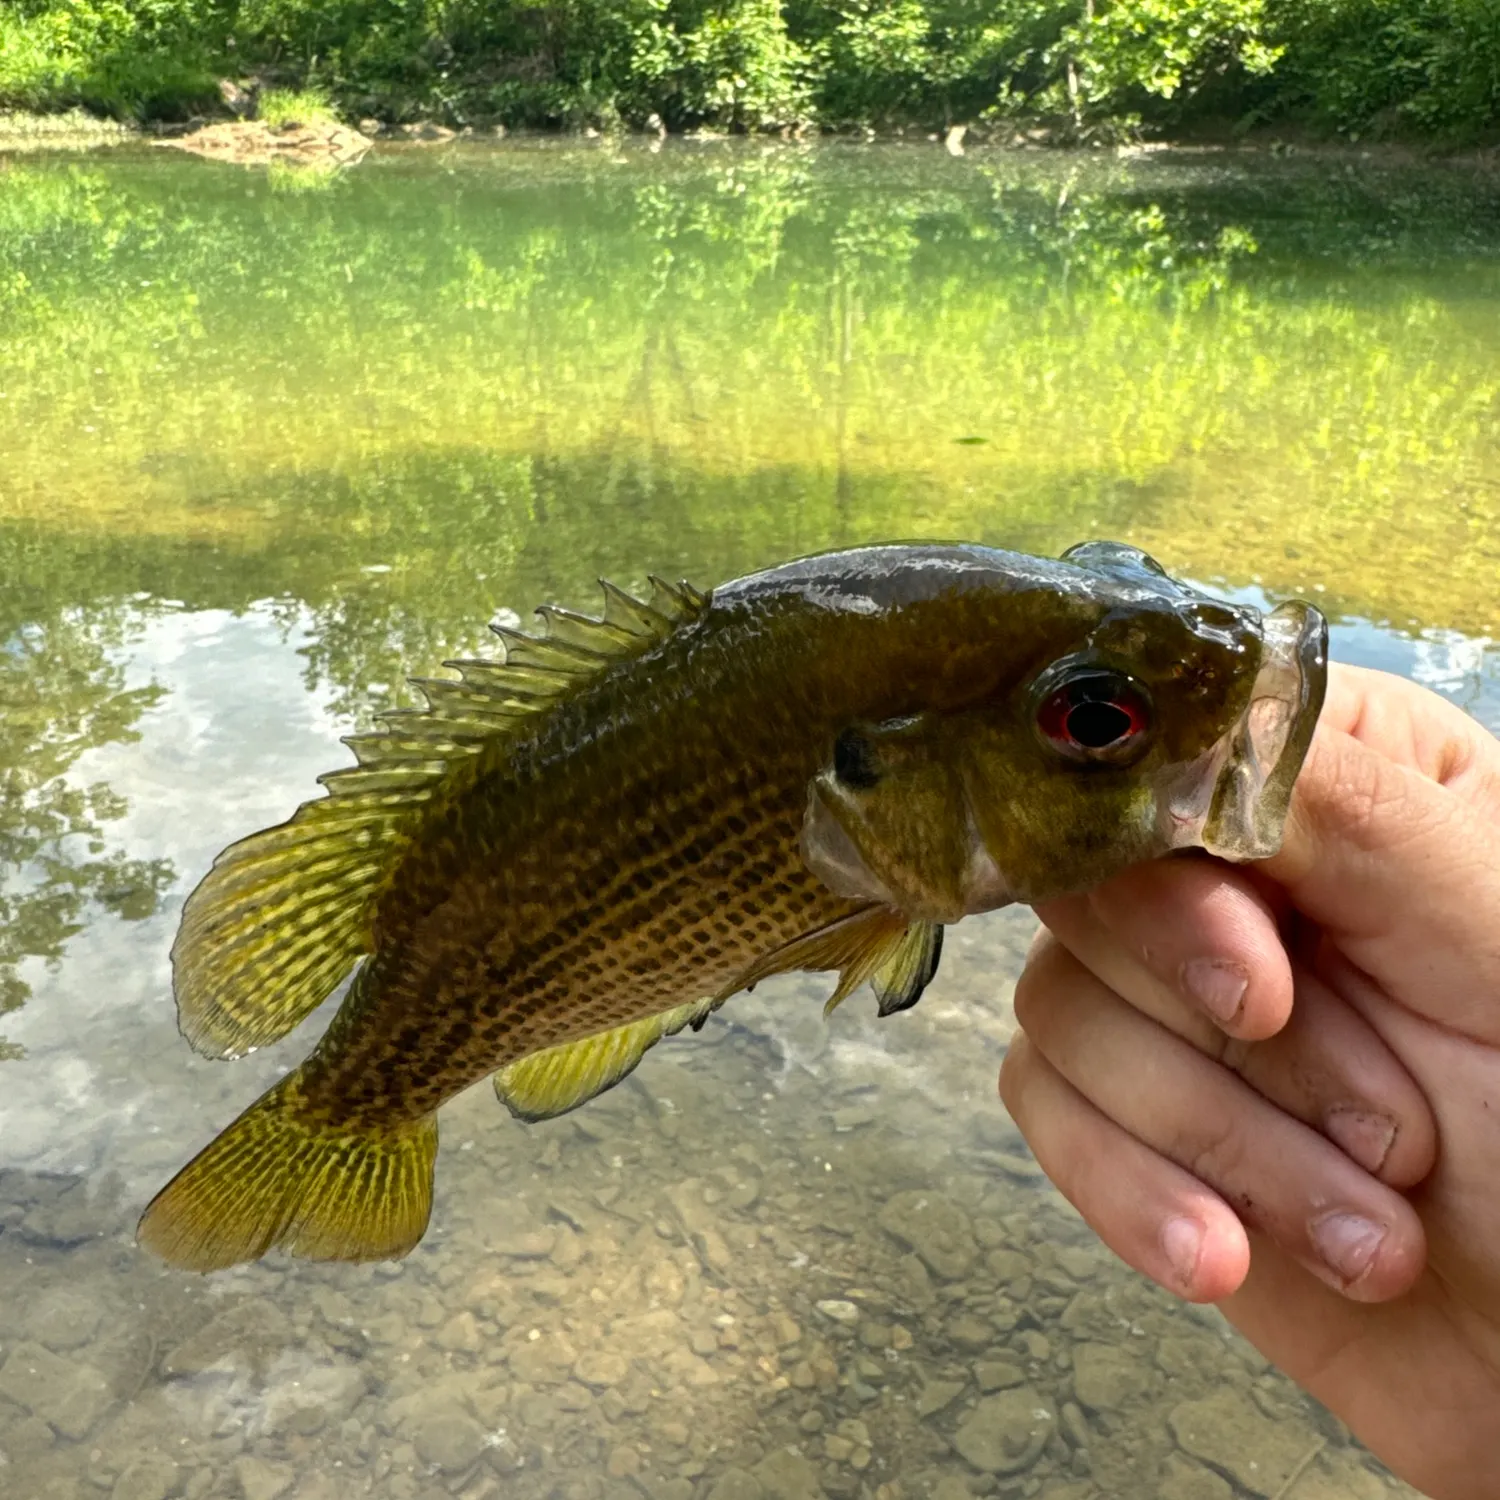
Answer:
(269, 442)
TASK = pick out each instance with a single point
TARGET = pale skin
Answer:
(1278, 1088)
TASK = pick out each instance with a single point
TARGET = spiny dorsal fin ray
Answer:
(558, 1079)
(284, 914)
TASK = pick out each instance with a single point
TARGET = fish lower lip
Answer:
(1267, 747)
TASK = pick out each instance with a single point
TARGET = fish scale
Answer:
(577, 852)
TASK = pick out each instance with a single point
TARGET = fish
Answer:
(590, 845)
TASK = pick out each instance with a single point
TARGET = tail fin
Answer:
(275, 1177)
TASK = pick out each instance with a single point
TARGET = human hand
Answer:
(1277, 1088)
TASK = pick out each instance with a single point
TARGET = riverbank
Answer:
(78, 130)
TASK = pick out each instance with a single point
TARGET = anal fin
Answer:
(555, 1080)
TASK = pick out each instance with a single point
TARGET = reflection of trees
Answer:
(62, 693)
(497, 375)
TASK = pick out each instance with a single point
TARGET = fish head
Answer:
(1167, 720)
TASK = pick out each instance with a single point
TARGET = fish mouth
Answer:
(1232, 801)
(1263, 753)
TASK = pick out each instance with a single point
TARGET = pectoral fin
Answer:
(900, 981)
(558, 1079)
(877, 944)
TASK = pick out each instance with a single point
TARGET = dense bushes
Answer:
(1428, 68)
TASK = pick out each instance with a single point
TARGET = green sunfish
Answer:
(571, 854)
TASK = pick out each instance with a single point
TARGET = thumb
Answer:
(1392, 846)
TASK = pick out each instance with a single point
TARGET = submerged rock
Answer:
(935, 1228)
(1229, 1432)
(1006, 1433)
(1105, 1376)
(68, 1395)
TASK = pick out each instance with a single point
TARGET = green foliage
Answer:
(1161, 48)
(1428, 68)
(119, 57)
(295, 107)
(1425, 68)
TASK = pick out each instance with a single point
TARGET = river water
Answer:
(273, 439)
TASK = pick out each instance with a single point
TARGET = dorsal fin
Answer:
(282, 915)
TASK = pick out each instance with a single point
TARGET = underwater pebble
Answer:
(1182, 1480)
(1036, 1345)
(450, 1440)
(951, 1487)
(997, 1375)
(63, 1319)
(623, 1461)
(1106, 1376)
(839, 1310)
(784, 1330)
(785, 1475)
(736, 1484)
(935, 1395)
(459, 1335)
(971, 1332)
(934, 1229)
(601, 1368)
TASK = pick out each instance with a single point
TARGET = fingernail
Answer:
(1182, 1240)
(1217, 984)
(1364, 1135)
(1347, 1243)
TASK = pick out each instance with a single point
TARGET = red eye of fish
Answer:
(1096, 715)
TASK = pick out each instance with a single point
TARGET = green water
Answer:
(268, 442)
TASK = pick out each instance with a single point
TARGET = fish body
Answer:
(592, 845)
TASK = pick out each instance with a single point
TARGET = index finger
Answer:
(1391, 842)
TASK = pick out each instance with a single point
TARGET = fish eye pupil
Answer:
(1096, 715)
(854, 761)
(1097, 725)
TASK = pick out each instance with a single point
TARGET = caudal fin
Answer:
(275, 1178)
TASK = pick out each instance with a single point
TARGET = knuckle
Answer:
(1214, 1149)
(1038, 982)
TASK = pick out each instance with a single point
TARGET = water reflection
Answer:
(63, 693)
(266, 453)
